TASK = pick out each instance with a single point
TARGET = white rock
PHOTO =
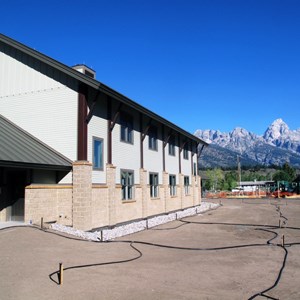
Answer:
(118, 231)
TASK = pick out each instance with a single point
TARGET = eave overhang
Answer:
(92, 83)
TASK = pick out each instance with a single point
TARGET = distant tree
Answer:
(285, 173)
(207, 185)
(290, 171)
(215, 178)
(281, 176)
(230, 181)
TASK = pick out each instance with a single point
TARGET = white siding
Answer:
(18, 78)
(40, 105)
(98, 128)
(172, 162)
(125, 155)
(186, 165)
(50, 116)
(153, 160)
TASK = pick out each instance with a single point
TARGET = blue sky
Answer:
(201, 64)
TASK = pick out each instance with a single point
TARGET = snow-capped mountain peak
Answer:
(276, 130)
(277, 145)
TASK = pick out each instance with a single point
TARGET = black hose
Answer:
(140, 254)
(131, 244)
(262, 293)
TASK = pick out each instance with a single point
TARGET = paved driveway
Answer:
(233, 252)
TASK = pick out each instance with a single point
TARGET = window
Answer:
(126, 128)
(195, 169)
(127, 182)
(186, 151)
(172, 185)
(152, 133)
(97, 154)
(186, 185)
(172, 146)
(153, 179)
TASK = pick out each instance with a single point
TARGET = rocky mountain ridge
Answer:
(277, 145)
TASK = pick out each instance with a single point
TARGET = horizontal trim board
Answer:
(14, 164)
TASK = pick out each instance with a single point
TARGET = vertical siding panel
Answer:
(17, 77)
(172, 163)
(42, 106)
(153, 160)
(124, 155)
(98, 128)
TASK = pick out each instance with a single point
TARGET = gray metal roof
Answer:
(90, 82)
(19, 148)
(250, 183)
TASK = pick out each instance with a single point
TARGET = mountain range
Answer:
(277, 145)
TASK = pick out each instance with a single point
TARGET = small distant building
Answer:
(83, 154)
(254, 187)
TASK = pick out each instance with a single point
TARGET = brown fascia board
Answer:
(96, 85)
(25, 165)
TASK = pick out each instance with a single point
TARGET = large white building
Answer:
(112, 159)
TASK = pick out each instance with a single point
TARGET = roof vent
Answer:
(85, 70)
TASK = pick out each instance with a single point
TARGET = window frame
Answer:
(127, 189)
(154, 188)
(186, 152)
(153, 138)
(94, 140)
(126, 128)
(172, 145)
(195, 171)
(186, 183)
(172, 185)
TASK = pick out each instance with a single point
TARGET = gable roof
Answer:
(21, 149)
(93, 83)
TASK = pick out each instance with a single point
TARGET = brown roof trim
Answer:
(95, 84)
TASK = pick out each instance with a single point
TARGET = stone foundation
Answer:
(88, 206)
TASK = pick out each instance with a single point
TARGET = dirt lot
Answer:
(233, 252)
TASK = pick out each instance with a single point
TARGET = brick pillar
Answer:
(111, 183)
(145, 193)
(82, 195)
(199, 190)
(166, 193)
(181, 189)
(194, 190)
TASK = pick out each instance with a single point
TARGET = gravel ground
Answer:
(133, 227)
(233, 252)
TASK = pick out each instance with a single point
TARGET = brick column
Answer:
(199, 190)
(145, 194)
(194, 190)
(166, 193)
(111, 183)
(82, 195)
(181, 189)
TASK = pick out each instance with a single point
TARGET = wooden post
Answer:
(61, 273)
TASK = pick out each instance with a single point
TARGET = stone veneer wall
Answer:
(86, 206)
(50, 202)
(100, 206)
(82, 195)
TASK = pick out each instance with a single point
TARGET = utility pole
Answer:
(239, 170)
